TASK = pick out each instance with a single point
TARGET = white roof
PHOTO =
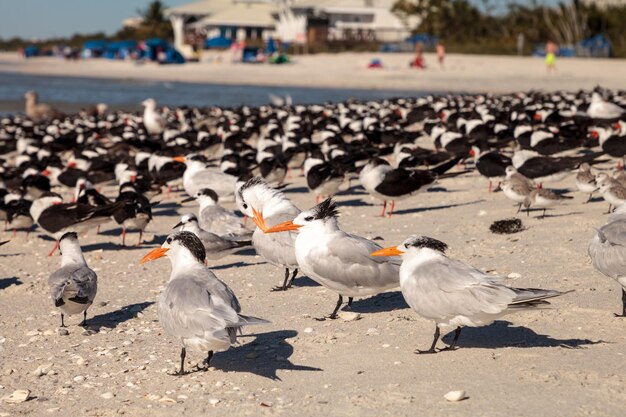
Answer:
(200, 8)
(243, 14)
(344, 4)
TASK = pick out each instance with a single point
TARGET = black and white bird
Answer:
(216, 219)
(196, 309)
(491, 164)
(134, 214)
(73, 287)
(454, 294)
(57, 218)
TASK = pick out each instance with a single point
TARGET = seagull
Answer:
(196, 308)
(152, 120)
(39, 111)
(338, 260)
(73, 286)
(452, 293)
(607, 250)
(216, 219)
(216, 246)
(267, 206)
(601, 109)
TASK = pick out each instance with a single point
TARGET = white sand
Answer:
(471, 73)
(525, 368)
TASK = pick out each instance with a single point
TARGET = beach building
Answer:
(305, 22)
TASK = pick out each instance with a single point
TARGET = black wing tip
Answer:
(79, 300)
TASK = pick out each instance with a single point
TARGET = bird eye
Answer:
(245, 205)
(308, 218)
(406, 245)
(169, 240)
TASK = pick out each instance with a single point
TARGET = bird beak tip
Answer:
(153, 255)
(283, 227)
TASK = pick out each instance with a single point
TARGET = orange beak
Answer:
(155, 254)
(283, 227)
(45, 173)
(594, 134)
(180, 159)
(391, 251)
(258, 220)
(537, 117)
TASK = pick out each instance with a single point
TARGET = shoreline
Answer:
(463, 73)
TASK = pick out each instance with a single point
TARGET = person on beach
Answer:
(418, 62)
(551, 50)
(441, 53)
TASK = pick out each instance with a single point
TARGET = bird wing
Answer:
(347, 259)
(607, 249)
(60, 216)
(222, 222)
(447, 288)
(77, 282)
(199, 306)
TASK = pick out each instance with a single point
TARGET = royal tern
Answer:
(196, 308)
(267, 207)
(216, 246)
(216, 219)
(73, 287)
(338, 260)
(452, 293)
(198, 176)
(607, 251)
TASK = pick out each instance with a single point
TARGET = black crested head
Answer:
(69, 235)
(210, 193)
(326, 209)
(426, 242)
(192, 243)
(250, 183)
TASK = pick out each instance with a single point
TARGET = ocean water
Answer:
(72, 93)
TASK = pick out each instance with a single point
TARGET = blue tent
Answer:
(120, 49)
(31, 51)
(429, 41)
(94, 48)
(218, 42)
(596, 46)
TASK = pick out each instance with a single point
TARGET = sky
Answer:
(40, 19)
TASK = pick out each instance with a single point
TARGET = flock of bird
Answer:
(55, 166)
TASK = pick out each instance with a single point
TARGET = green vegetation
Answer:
(466, 28)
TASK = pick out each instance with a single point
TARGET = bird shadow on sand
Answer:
(110, 246)
(304, 281)
(114, 318)
(548, 215)
(275, 357)
(296, 190)
(7, 282)
(432, 208)
(379, 303)
(502, 334)
(166, 212)
(233, 265)
(355, 202)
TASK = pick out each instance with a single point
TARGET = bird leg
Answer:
(84, 323)
(140, 237)
(543, 214)
(384, 207)
(349, 305)
(207, 360)
(519, 208)
(490, 185)
(183, 353)
(98, 230)
(432, 347)
(62, 320)
(623, 304)
(393, 204)
(589, 199)
(333, 315)
(293, 276)
(56, 246)
(284, 286)
(14, 232)
(610, 207)
(123, 236)
(457, 333)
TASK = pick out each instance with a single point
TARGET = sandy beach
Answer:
(565, 361)
(462, 73)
